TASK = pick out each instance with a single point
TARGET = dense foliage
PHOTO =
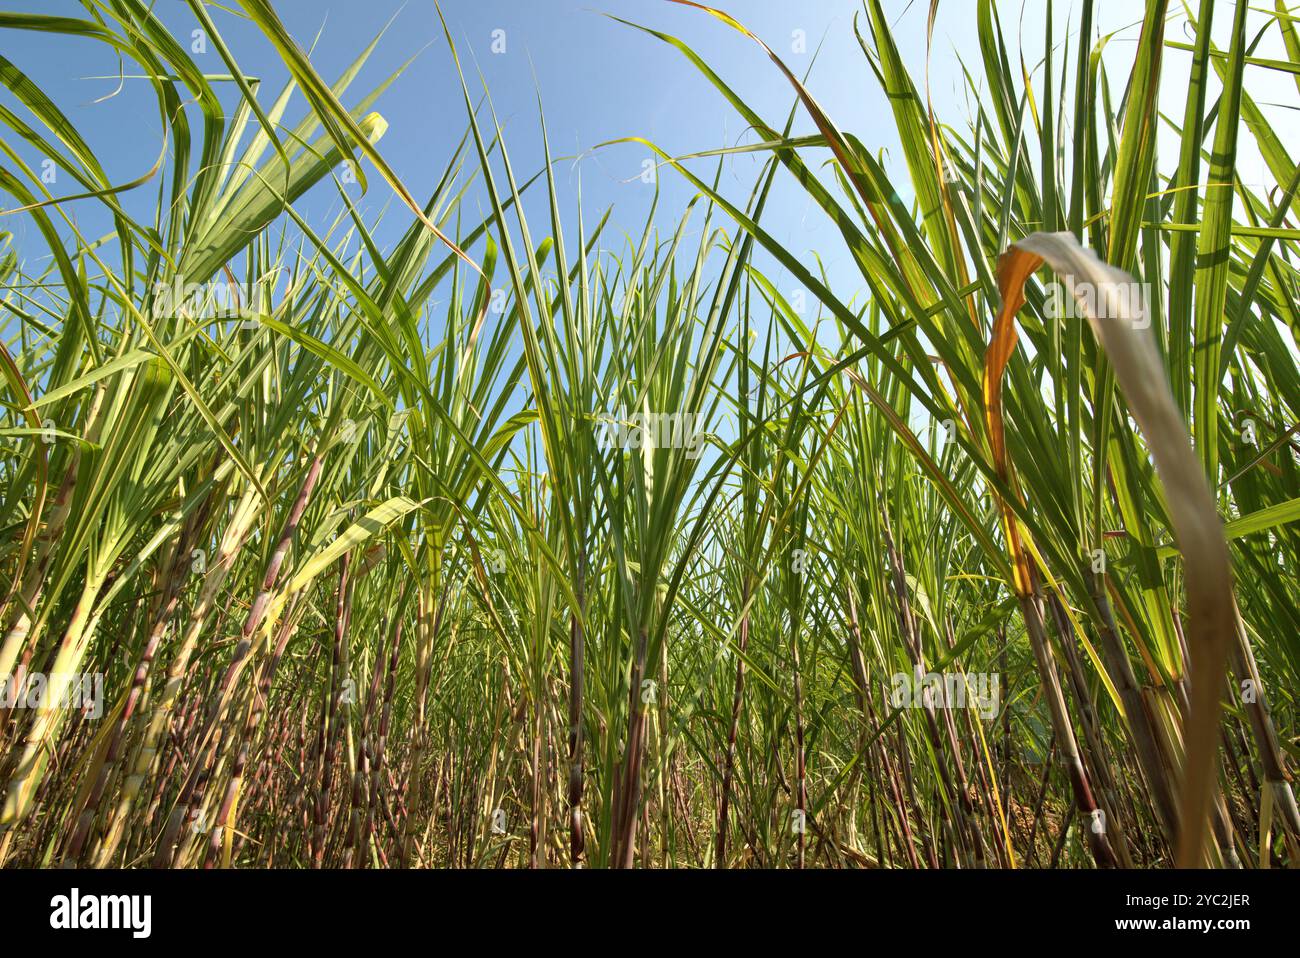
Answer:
(618, 556)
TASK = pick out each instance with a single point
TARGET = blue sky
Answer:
(598, 80)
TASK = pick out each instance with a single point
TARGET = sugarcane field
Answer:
(855, 436)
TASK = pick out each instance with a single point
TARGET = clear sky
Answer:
(598, 80)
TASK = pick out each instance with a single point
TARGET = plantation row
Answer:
(614, 554)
